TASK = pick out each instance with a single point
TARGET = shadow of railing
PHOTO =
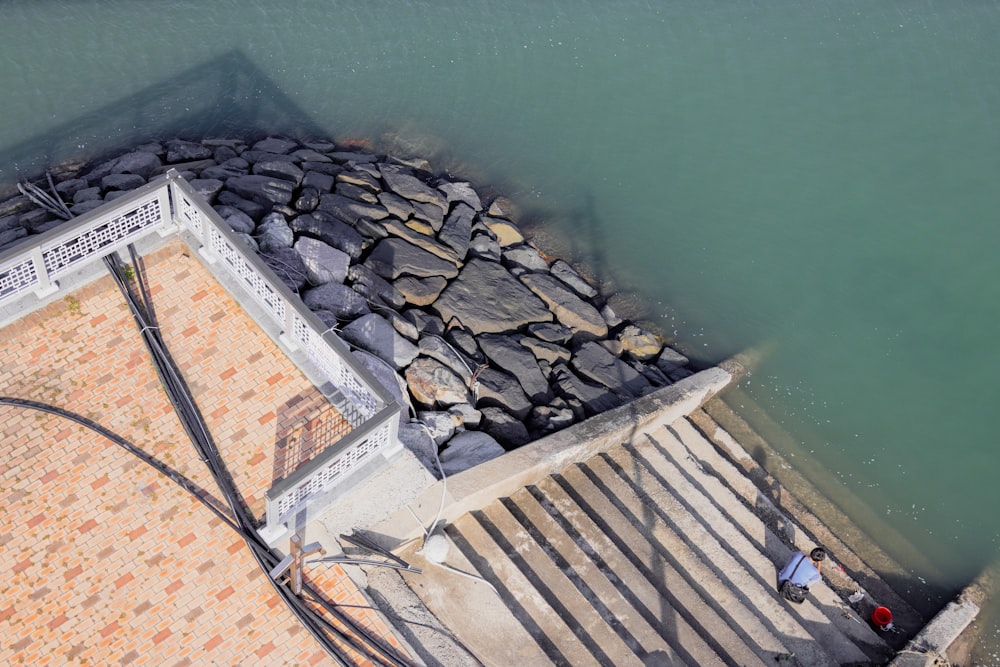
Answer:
(227, 95)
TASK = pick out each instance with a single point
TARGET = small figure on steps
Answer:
(799, 573)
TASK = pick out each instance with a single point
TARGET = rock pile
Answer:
(491, 343)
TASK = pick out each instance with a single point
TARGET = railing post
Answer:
(45, 286)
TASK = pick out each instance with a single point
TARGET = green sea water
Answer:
(815, 182)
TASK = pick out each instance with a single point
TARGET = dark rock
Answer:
(287, 266)
(251, 208)
(112, 195)
(323, 262)
(374, 334)
(424, 321)
(314, 179)
(375, 285)
(572, 311)
(222, 173)
(433, 385)
(307, 200)
(595, 363)
(423, 241)
(526, 257)
(327, 168)
(609, 315)
(339, 299)
(15, 205)
(679, 374)
(467, 450)
(350, 156)
(501, 390)
(545, 419)
(440, 425)
(504, 352)
(485, 247)
(179, 150)
(85, 206)
(34, 220)
(456, 233)
(670, 360)
(462, 192)
(396, 205)
(8, 236)
(355, 192)
(237, 220)
(568, 275)
(309, 155)
(71, 187)
(401, 181)
(327, 318)
(188, 170)
(393, 257)
(543, 351)
(140, 163)
(275, 145)
(274, 232)
(371, 231)
(502, 207)
(286, 171)
(420, 291)
(551, 332)
(485, 298)
(86, 194)
(321, 145)
(428, 213)
(361, 179)
(223, 153)
(393, 382)
(248, 242)
(208, 188)
(253, 156)
(595, 400)
(508, 431)
(9, 222)
(465, 342)
(437, 348)
(262, 189)
(330, 230)
(350, 210)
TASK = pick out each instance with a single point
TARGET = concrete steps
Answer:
(640, 556)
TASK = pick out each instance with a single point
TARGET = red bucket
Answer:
(882, 617)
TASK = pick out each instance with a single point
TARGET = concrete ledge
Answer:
(475, 488)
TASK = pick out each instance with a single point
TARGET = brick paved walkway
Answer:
(104, 561)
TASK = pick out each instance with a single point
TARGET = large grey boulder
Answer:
(501, 390)
(329, 230)
(456, 232)
(350, 210)
(435, 347)
(505, 352)
(595, 400)
(314, 179)
(394, 257)
(420, 291)
(273, 232)
(467, 450)
(369, 283)
(122, 181)
(394, 227)
(324, 263)
(526, 257)
(463, 192)
(396, 205)
(283, 169)
(441, 425)
(485, 298)
(339, 299)
(208, 188)
(547, 352)
(568, 275)
(179, 150)
(408, 186)
(507, 430)
(374, 334)
(546, 419)
(572, 311)
(416, 439)
(639, 343)
(264, 190)
(251, 208)
(484, 246)
(360, 178)
(391, 381)
(288, 266)
(670, 360)
(275, 145)
(434, 385)
(141, 163)
(594, 362)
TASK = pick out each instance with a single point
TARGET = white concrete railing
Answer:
(169, 205)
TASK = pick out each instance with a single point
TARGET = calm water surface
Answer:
(813, 181)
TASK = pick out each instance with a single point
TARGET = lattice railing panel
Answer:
(18, 277)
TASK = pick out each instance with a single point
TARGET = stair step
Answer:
(658, 509)
(762, 553)
(611, 504)
(604, 588)
(858, 574)
(592, 629)
(556, 639)
(654, 588)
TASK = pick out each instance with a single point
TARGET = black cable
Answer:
(194, 424)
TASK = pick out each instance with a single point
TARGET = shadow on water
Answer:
(227, 95)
